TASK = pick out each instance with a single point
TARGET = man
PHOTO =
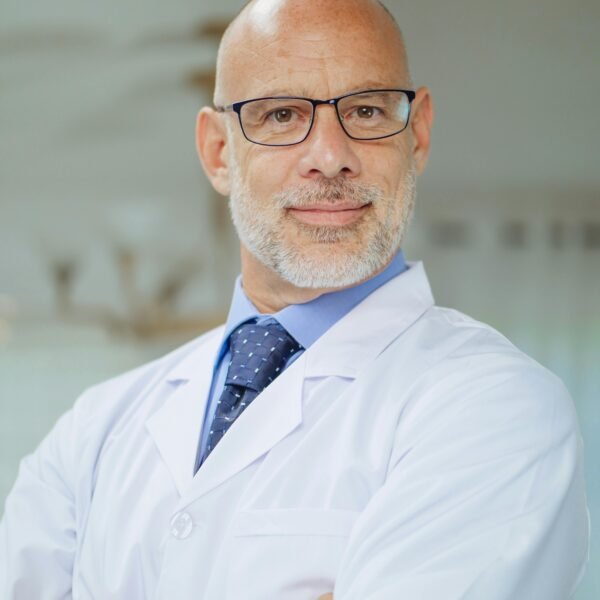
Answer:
(340, 436)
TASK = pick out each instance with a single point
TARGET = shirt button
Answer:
(181, 525)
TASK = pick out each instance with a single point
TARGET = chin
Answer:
(330, 265)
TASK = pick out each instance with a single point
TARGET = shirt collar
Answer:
(309, 321)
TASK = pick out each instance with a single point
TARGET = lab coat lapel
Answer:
(176, 426)
(272, 415)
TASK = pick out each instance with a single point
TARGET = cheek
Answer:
(386, 164)
(265, 174)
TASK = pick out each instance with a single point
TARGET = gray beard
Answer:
(320, 264)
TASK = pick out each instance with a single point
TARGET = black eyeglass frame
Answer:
(237, 108)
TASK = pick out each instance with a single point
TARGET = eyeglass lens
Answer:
(368, 115)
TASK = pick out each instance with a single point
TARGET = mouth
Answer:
(342, 213)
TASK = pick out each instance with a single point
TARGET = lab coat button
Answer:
(181, 525)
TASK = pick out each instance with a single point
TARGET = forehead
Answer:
(321, 59)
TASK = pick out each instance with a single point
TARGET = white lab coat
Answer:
(412, 453)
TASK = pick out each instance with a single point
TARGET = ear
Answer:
(211, 145)
(421, 122)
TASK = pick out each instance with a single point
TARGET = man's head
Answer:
(329, 211)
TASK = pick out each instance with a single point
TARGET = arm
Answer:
(484, 497)
(37, 531)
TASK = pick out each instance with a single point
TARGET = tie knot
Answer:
(259, 354)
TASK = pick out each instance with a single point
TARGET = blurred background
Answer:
(114, 249)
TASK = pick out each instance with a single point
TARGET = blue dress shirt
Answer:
(306, 323)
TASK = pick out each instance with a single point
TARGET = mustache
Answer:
(328, 192)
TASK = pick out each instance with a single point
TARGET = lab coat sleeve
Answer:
(484, 498)
(38, 529)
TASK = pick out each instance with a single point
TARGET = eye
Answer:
(281, 115)
(366, 112)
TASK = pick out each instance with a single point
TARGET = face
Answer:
(325, 234)
(330, 211)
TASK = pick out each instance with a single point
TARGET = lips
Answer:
(342, 213)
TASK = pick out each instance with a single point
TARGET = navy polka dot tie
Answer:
(259, 354)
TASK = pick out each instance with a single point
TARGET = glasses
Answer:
(287, 120)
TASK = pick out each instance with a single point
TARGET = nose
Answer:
(328, 151)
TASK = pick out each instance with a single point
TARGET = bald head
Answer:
(366, 136)
(268, 6)
(316, 25)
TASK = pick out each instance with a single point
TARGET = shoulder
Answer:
(453, 373)
(473, 383)
(474, 351)
(70, 452)
(450, 341)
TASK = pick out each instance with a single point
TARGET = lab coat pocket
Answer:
(288, 554)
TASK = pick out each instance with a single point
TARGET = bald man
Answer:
(340, 436)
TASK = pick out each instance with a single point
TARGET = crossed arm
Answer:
(483, 500)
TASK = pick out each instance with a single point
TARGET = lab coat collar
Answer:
(346, 348)
(370, 327)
